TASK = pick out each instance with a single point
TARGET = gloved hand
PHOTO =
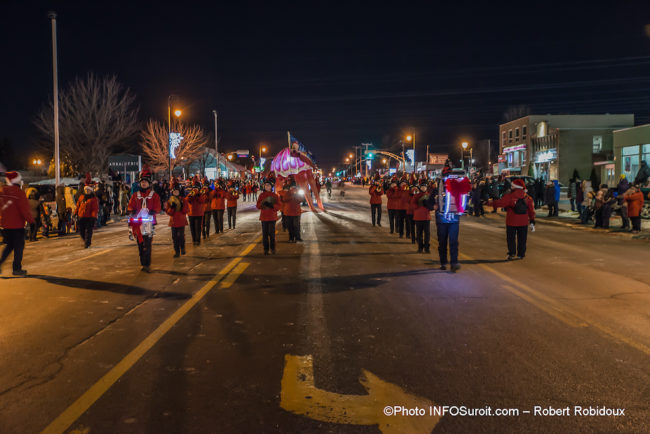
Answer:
(532, 226)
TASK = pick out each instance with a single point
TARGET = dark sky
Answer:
(335, 74)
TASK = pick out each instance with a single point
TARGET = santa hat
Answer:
(145, 174)
(13, 177)
(519, 184)
(88, 180)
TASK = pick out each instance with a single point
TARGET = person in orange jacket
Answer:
(218, 203)
(196, 201)
(634, 199)
(269, 204)
(177, 209)
(86, 211)
(231, 204)
(292, 211)
(14, 213)
(375, 191)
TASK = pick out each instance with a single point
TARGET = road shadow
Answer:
(328, 284)
(95, 285)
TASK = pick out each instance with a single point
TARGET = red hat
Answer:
(13, 177)
(88, 180)
(518, 183)
(145, 174)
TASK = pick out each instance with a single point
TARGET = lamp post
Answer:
(178, 114)
(262, 149)
(465, 145)
(216, 145)
(55, 97)
(409, 138)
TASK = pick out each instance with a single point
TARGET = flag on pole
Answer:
(295, 145)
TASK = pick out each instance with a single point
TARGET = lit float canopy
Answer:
(294, 163)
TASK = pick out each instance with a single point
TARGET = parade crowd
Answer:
(410, 201)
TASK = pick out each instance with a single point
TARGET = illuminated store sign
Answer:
(546, 156)
(514, 148)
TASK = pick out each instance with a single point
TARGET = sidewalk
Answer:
(571, 219)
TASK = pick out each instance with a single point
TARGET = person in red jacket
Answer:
(404, 199)
(218, 203)
(143, 208)
(177, 209)
(409, 224)
(282, 194)
(196, 204)
(634, 199)
(207, 208)
(376, 191)
(292, 211)
(269, 204)
(394, 195)
(422, 217)
(231, 204)
(520, 211)
(86, 212)
(14, 213)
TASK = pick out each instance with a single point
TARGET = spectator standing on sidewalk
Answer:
(622, 188)
(14, 213)
(549, 199)
(634, 200)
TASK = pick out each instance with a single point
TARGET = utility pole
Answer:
(55, 79)
(414, 151)
(216, 144)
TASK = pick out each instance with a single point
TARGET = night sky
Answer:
(335, 74)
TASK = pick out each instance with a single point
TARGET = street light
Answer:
(230, 156)
(262, 149)
(410, 138)
(465, 145)
(178, 114)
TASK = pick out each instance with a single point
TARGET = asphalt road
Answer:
(324, 335)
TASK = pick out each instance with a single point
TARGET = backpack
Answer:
(521, 206)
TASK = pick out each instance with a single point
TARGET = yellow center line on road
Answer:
(83, 403)
(232, 277)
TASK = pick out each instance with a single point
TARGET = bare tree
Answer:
(155, 144)
(96, 116)
(516, 112)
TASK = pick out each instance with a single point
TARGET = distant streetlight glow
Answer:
(464, 145)
(178, 113)
(409, 138)
(230, 157)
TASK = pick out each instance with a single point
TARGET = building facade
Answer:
(554, 146)
(631, 147)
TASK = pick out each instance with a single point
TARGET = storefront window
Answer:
(630, 161)
(646, 154)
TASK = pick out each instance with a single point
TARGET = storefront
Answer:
(546, 164)
(631, 147)
(514, 158)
